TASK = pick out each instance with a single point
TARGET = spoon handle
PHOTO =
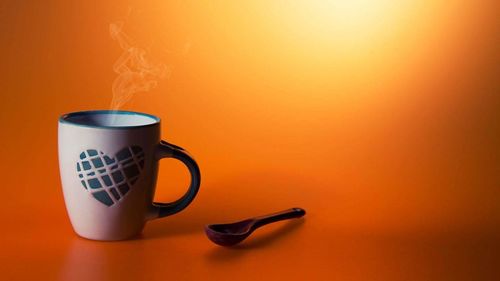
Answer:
(283, 215)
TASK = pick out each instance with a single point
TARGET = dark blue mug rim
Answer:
(65, 118)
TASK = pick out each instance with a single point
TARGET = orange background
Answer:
(380, 118)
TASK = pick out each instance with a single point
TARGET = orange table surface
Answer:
(380, 118)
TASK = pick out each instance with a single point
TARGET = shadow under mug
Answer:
(108, 162)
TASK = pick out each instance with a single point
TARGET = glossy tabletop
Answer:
(380, 118)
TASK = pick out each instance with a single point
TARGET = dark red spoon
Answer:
(233, 233)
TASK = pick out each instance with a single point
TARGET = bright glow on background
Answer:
(348, 23)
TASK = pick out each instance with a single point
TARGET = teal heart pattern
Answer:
(109, 179)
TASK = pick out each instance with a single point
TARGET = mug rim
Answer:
(63, 119)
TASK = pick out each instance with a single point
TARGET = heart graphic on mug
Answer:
(109, 179)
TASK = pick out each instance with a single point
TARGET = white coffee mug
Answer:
(108, 162)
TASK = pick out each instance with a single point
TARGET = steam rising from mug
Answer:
(136, 73)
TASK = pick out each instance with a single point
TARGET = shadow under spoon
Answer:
(233, 233)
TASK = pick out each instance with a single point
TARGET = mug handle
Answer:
(168, 150)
